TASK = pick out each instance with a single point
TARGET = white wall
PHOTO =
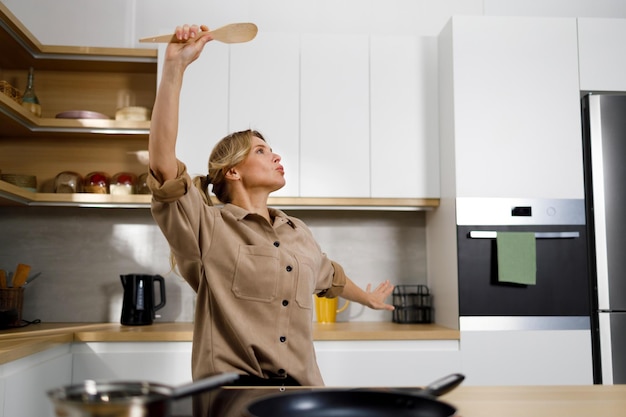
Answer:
(81, 252)
(119, 23)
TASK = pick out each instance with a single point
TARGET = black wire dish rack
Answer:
(413, 304)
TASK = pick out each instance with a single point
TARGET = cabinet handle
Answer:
(487, 234)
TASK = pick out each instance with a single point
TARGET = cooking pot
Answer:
(127, 399)
(360, 402)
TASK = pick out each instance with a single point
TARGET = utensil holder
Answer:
(11, 301)
(412, 303)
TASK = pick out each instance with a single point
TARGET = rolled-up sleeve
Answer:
(184, 219)
(170, 190)
(339, 282)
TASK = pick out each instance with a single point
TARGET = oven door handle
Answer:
(488, 234)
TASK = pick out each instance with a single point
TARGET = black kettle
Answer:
(138, 306)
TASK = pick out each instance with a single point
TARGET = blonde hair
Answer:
(227, 153)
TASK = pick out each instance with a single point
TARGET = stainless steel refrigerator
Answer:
(604, 150)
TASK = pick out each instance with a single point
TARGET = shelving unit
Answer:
(71, 78)
(12, 195)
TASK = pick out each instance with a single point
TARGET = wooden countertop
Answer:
(510, 401)
(470, 401)
(539, 401)
(22, 342)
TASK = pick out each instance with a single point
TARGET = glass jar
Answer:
(68, 182)
(96, 182)
(142, 184)
(123, 183)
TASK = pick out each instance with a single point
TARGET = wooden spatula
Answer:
(21, 274)
(232, 33)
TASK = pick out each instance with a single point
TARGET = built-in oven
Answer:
(533, 331)
(561, 289)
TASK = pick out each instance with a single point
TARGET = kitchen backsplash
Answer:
(81, 253)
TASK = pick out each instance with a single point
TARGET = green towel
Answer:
(517, 257)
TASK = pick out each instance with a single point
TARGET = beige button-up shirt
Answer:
(254, 282)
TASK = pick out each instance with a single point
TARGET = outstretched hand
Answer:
(187, 52)
(377, 297)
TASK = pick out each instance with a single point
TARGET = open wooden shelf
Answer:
(13, 195)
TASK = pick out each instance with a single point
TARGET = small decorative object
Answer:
(82, 114)
(96, 182)
(28, 182)
(10, 91)
(133, 113)
(29, 99)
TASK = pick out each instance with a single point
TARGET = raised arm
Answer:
(164, 124)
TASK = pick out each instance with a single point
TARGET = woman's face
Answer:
(261, 168)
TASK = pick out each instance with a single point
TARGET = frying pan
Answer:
(360, 402)
(124, 399)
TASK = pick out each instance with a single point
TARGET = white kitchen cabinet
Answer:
(26, 381)
(343, 363)
(404, 117)
(347, 123)
(264, 96)
(376, 363)
(601, 54)
(531, 357)
(162, 362)
(203, 117)
(511, 107)
(334, 116)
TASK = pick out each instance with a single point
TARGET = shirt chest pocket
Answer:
(256, 273)
(306, 282)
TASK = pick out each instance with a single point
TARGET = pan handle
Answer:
(205, 384)
(443, 385)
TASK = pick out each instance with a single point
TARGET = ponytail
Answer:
(201, 182)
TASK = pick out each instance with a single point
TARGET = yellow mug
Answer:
(327, 310)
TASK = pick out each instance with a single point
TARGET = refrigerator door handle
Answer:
(487, 234)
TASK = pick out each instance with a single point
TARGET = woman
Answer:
(254, 268)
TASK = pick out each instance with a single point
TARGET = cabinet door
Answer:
(265, 94)
(335, 137)
(404, 117)
(390, 363)
(203, 117)
(533, 357)
(161, 362)
(26, 382)
(602, 55)
(517, 125)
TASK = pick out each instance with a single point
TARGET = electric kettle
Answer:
(138, 304)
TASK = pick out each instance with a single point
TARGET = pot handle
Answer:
(161, 292)
(434, 389)
(205, 384)
(443, 385)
